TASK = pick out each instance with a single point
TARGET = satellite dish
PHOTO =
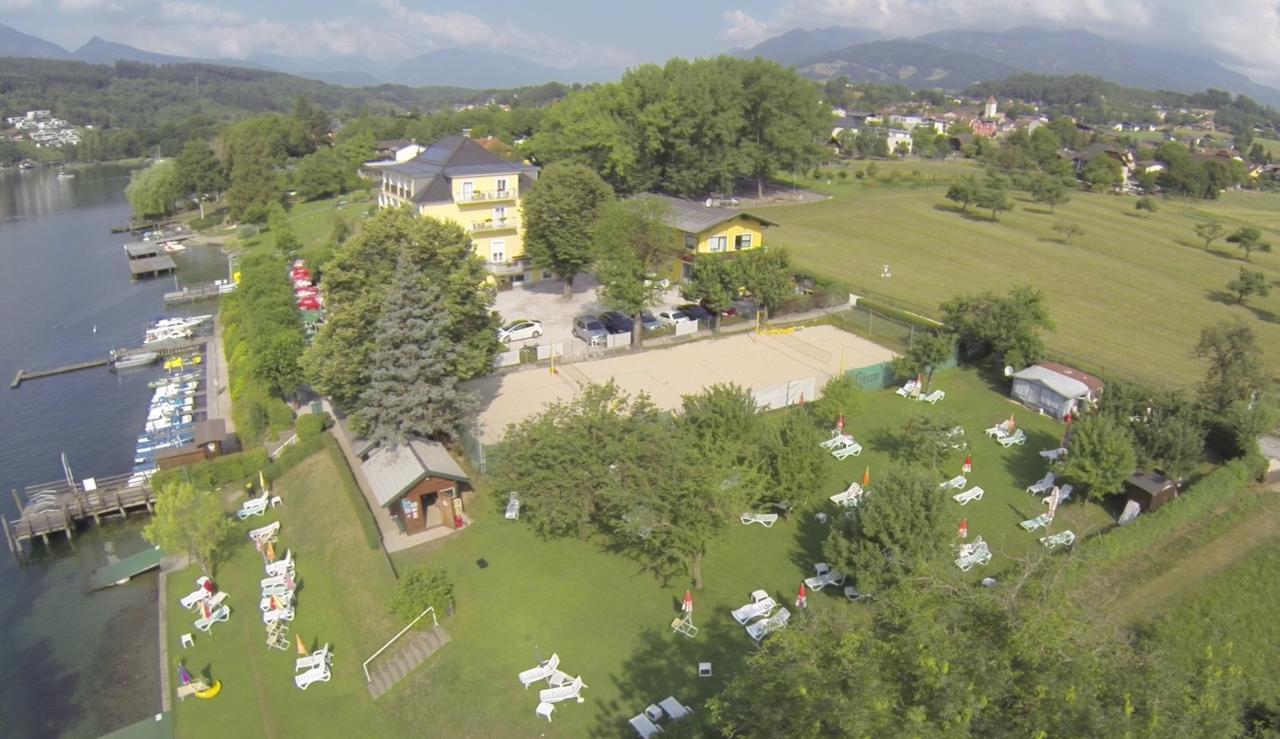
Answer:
(1008, 371)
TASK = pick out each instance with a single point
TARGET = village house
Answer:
(708, 227)
(456, 179)
(1056, 389)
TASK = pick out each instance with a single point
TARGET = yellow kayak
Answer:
(211, 691)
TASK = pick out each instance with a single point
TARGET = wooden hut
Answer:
(210, 436)
(418, 484)
(1150, 490)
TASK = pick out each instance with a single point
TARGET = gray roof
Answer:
(1270, 446)
(449, 158)
(695, 216)
(1150, 482)
(140, 249)
(1065, 386)
(391, 471)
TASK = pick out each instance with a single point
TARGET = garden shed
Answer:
(1150, 490)
(1055, 389)
(419, 484)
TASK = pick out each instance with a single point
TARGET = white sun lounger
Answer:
(320, 674)
(564, 692)
(968, 496)
(284, 599)
(221, 614)
(318, 658)
(933, 397)
(255, 507)
(265, 533)
(969, 561)
(281, 567)
(825, 576)
(644, 726)
(1039, 522)
(1064, 494)
(279, 589)
(541, 672)
(849, 497)
(1043, 485)
(848, 450)
(766, 520)
(513, 512)
(277, 614)
(1053, 455)
(977, 545)
(192, 599)
(764, 627)
(674, 708)
(838, 438)
(1018, 438)
(1063, 539)
(954, 483)
(999, 431)
(762, 604)
(908, 389)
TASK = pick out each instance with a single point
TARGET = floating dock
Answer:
(151, 266)
(192, 294)
(165, 348)
(119, 573)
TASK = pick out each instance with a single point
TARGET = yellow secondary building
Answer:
(707, 227)
(457, 179)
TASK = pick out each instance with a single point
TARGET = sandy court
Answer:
(666, 375)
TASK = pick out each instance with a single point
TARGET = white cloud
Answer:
(743, 29)
(1243, 34)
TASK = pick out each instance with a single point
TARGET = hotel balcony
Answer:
(487, 196)
(498, 224)
(507, 269)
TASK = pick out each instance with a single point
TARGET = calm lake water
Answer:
(74, 663)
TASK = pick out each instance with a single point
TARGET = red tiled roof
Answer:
(1091, 382)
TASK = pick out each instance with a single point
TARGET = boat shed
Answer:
(419, 484)
(1055, 389)
(151, 266)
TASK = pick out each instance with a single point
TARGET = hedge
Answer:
(215, 473)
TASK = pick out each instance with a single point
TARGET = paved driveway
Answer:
(544, 302)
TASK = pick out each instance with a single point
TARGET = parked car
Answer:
(524, 328)
(590, 329)
(695, 312)
(615, 322)
(726, 312)
(672, 317)
(649, 322)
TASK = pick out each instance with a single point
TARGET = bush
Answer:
(420, 588)
(370, 530)
(279, 415)
(311, 425)
(215, 473)
(843, 174)
(1147, 204)
(200, 224)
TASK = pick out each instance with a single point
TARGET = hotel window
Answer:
(719, 243)
(743, 241)
(691, 242)
(502, 186)
(498, 251)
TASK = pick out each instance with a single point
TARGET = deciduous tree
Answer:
(636, 247)
(993, 195)
(1249, 238)
(716, 280)
(963, 191)
(926, 439)
(1006, 327)
(558, 216)
(191, 522)
(1050, 190)
(1250, 282)
(1068, 230)
(1210, 231)
(1102, 456)
(767, 277)
(783, 120)
(928, 350)
(153, 191)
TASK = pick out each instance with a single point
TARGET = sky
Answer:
(1241, 34)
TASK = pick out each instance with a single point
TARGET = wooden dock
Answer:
(58, 507)
(135, 227)
(192, 294)
(165, 348)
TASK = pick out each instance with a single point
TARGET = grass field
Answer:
(603, 613)
(1129, 296)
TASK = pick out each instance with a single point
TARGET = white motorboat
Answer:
(139, 359)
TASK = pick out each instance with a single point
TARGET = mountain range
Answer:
(954, 59)
(473, 69)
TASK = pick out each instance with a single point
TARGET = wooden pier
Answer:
(58, 507)
(136, 227)
(165, 348)
(202, 292)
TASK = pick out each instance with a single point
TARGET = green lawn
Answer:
(342, 586)
(313, 222)
(1129, 297)
(604, 614)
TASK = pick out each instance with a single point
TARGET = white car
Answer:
(672, 316)
(520, 330)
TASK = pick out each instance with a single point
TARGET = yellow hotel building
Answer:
(457, 179)
(706, 227)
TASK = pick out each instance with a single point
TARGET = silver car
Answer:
(590, 329)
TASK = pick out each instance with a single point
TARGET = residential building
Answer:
(1093, 151)
(457, 179)
(990, 108)
(907, 122)
(1056, 389)
(709, 227)
(898, 137)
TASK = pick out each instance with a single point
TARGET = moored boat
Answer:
(139, 359)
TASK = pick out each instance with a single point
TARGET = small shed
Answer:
(1150, 490)
(210, 436)
(1055, 388)
(419, 484)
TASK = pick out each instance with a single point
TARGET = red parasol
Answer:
(687, 606)
(866, 477)
(302, 648)
(840, 423)
(1012, 423)
(802, 597)
(204, 609)
(968, 463)
(964, 528)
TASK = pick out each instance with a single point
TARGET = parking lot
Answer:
(543, 302)
(756, 362)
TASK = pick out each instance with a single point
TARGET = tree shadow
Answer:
(1050, 240)
(810, 534)
(666, 664)
(1227, 299)
(970, 215)
(1133, 214)
(1039, 211)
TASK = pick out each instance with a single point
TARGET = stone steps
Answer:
(412, 652)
